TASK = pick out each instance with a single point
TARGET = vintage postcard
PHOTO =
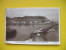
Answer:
(38, 26)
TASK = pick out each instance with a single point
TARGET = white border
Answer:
(35, 43)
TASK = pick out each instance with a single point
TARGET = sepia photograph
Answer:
(32, 26)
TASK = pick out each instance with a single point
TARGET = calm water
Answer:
(24, 32)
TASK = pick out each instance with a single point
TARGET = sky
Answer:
(50, 13)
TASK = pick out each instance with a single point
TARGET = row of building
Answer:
(27, 20)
